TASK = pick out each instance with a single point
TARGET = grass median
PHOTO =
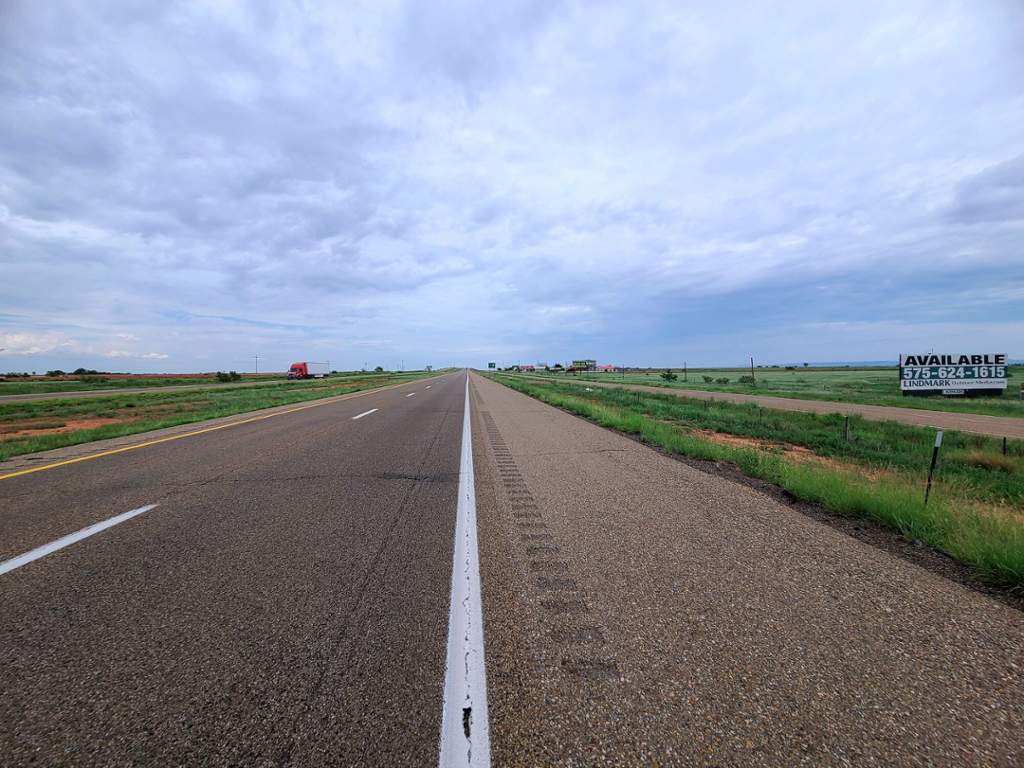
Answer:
(118, 381)
(877, 470)
(30, 427)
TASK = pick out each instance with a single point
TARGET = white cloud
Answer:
(387, 180)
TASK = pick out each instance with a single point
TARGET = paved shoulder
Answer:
(639, 611)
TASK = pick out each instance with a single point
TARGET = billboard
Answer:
(933, 374)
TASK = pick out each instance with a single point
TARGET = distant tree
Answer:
(558, 366)
(57, 372)
(668, 375)
(806, 364)
(378, 369)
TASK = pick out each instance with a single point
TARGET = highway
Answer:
(282, 596)
(285, 601)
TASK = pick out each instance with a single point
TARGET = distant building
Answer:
(528, 368)
(605, 368)
(585, 365)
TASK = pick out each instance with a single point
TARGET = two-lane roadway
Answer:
(284, 600)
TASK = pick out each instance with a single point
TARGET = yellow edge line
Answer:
(325, 401)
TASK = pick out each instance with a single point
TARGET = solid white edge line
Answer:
(53, 546)
(465, 732)
(364, 413)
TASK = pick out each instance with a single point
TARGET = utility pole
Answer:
(684, 372)
(751, 370)
(257, 359)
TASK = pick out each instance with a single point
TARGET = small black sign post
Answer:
(931, 471)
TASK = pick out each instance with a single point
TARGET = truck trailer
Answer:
(309, 371)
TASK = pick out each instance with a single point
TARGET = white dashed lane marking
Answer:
(53, 546)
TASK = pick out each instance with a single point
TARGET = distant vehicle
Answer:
(309, 371)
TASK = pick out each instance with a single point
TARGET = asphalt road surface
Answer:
(286, 602)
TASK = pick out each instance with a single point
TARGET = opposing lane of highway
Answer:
(286, 601)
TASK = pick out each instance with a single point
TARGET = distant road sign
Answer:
(490, 366)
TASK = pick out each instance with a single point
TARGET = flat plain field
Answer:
(870, 386)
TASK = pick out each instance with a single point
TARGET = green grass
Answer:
(92, 383)
(869, 386)
(885, 445)
(156, 410)
(970, 477)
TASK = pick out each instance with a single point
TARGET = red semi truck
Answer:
(309, 371)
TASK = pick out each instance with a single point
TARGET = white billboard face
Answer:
(952, 372)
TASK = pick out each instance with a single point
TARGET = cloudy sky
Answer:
(185, 185)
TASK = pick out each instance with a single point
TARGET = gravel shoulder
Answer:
(639, 610)
(994, 426)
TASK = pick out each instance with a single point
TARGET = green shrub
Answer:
(669, 376)
(722, 380)
(708, 379)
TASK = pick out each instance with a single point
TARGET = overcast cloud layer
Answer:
(186, 185)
